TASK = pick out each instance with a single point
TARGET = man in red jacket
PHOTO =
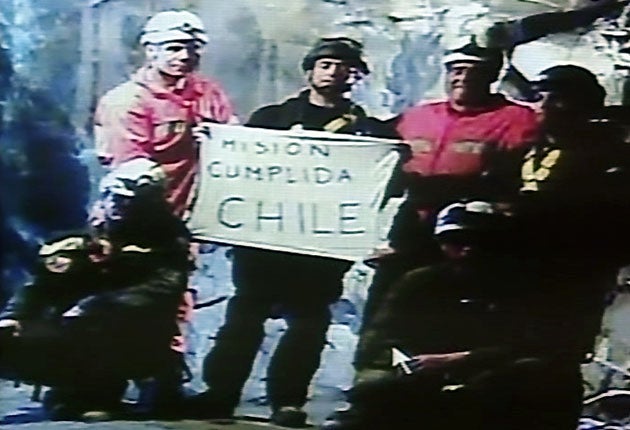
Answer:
(153, 114)
(468, 146)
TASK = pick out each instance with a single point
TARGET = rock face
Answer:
(45, 185)
(258, 62)
(82, 49)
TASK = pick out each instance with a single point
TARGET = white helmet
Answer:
(464, 216)
(130, 176)
(173, 25)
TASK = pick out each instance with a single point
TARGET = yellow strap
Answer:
(529, 174)
(339, 123)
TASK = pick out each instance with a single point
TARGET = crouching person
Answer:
(101, 309)
(474, 342)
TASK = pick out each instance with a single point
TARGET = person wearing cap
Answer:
(102, 305)
(153, 114)
(488, 343)
(575, 182)
(565, 118)
(577, 171)
(466, 146)
(298, 288)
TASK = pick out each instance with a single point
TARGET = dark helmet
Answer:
(573, 81)
(341, 48)
(470, 52)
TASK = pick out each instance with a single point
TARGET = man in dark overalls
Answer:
(298, 288)
(490, 345)
(101, 309)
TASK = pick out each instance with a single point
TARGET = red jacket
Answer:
(451, 150)
(139, 118)
(445, 141)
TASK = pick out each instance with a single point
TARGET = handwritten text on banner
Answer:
(305, 192)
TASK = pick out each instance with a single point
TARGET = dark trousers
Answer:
(271, 284)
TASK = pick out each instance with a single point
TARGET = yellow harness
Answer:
(344, 120)
(532, 174)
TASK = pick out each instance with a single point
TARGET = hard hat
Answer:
(173, 25)
(67, 243)
(131, 176)
(474, 215)
(341, 48)
(468, 51)
(575, 81)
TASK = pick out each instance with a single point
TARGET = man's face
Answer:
(464, 245)
(175, 58)
(116, 208)
(456, 251)
(330, 75)
(467, 82)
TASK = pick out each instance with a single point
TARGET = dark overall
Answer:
(270, 284)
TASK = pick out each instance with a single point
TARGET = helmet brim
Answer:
(458, 57)
(172, 36)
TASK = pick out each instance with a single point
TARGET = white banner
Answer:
(306, 192)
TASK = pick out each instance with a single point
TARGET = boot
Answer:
(289, 416)
(210, 405)
(345, 419)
